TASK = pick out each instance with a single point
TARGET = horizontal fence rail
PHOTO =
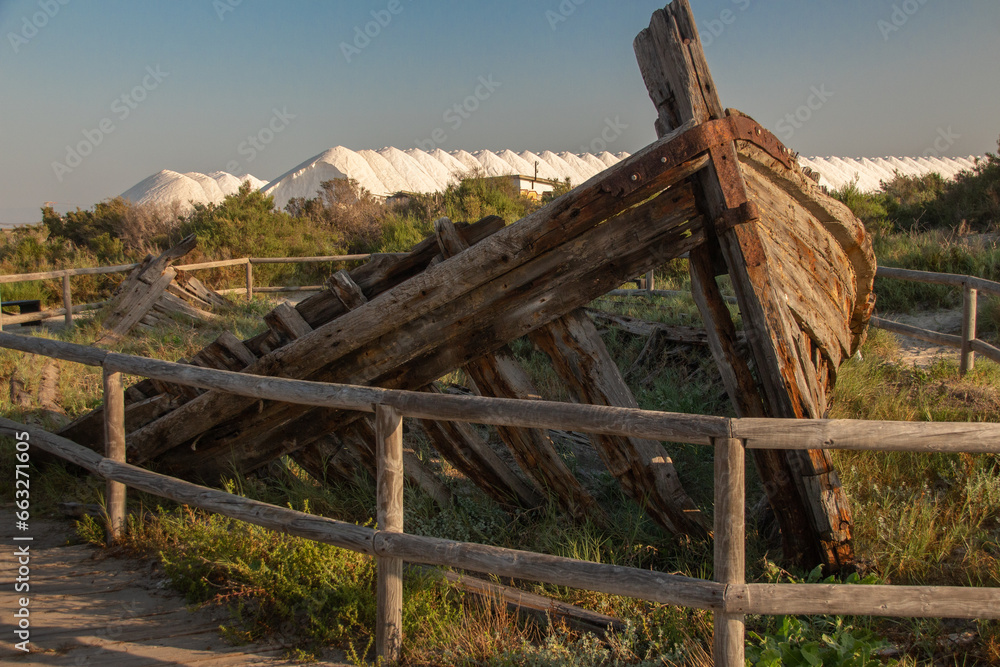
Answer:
(65, 274)
(968, 343)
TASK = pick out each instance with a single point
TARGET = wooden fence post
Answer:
(67, 301)
(650, 283)
(969, 307)
(389, 452)
(114, 449)
(249, 279)
(730, 497)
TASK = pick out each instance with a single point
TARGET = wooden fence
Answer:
(967, 342)
(729, 596)
(69, 309)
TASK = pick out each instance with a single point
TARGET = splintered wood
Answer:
(715, 185)
(155, 291)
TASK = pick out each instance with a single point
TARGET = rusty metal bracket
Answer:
(707, 137)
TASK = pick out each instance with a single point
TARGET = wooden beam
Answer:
(114, 449)
(730, 539)
(389, 619)
(642, 467)
(673, 65)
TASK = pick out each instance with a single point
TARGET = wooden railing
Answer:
(729, 596)
(69, 309)
(967, 342)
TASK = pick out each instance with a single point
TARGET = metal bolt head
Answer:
(635, 177)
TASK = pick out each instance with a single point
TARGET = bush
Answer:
(970, 202)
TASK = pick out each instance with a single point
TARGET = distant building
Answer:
(532, 186)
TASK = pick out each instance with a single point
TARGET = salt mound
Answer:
(469, 162)
(584, 168)
(412, 171)
(228, 183)
(305, 180)
(166, 187)
(386, 173)
(454, 165)
(592, 160)
(213, 192)
(439, 172)
(837, 172)
(516, 162)
(561, 167)
(493, 165)
(255, 183)
(544, 170)
(608, 159)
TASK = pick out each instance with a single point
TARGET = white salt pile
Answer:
(391, 170)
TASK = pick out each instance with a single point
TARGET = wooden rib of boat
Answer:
(715, 184)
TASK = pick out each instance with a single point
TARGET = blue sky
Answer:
(183, 84)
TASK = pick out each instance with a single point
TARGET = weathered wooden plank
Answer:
(287, 322)
(617, 580)
(673, 333)
(170, 304)
(134, 305)
(114, 449)
(499, 375)
(389, 452)
(858, 600)
(438, 353)
(385, 271)
(730, 547)
(672, 63)
(346, 290)
(576, 617)
(462, 447)
(642, 467)
(362, 435)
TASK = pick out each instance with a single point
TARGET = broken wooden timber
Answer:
(464, 449)
(642, 467)
(422, 329)
(154, 292)
(795, 362)
(499, 374)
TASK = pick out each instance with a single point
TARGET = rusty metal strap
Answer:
(700, 139)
